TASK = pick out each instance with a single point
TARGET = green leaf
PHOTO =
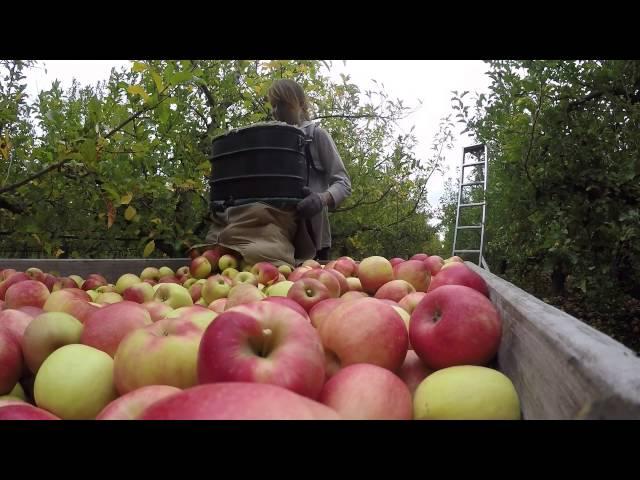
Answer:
(88, 150)
(180, 77)
(138, 90)
(138, 67)
(149, 248)
(157, 79)
(129, 213)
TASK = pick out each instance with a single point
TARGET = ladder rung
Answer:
(465, 227)
(472, 183)
(471, 148)
(474, 164)
(471, 204)
(466, 251)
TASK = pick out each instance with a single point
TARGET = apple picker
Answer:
(273, 183)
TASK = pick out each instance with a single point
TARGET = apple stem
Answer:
(266, 341)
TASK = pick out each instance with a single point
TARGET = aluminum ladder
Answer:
(478, 156)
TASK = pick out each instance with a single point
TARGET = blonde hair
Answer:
(290, 93)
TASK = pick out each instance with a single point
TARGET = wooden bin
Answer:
(562, 368)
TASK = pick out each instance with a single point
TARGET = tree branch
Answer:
(10, 207)
(136, 115)
(34, 176)
(364, 115)
(361, 202)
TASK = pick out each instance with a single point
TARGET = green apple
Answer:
(174, 295)
(165, 272)
(285, 270)
(214, 288)
(245, 277)
(93, 294)
(151, 273)
(108, 297)
(279, 289)
(466, 392)
(227, 261)
(230, 272)
(126, 281)
(75, 382)
(78, 279)
(46, 333)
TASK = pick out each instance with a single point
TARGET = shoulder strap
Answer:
(311, 163)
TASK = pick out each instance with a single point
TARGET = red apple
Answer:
(163, 353)
(342, 280)
(91, 283)
(364, 331)
(6, 273)
(413, 371)
(31, 311)
(331, 264)
(213, 256)
(307, 292)
(322, 310)
(64, 282)
(16, 322)
(459, 274)
(455, 258)
(25, 411)
(434, 263)
(131, 405)
(12, 280)
(415, 272)
(238, 401)
(11, 363)
(374, 272)
(346, 266)
(157, 310)
(218, 305)
(266, 273)
(419, 256)
(266, 343)
(106, 328)
(455, 325)
(241, 294)
(328, 279)
(138, 292)
(395, 261)
(311, 263)
(394, 290)
(409, 302)
(368, 392)
(51, 281)
(287, 302)
(297, 273)
(353, 295)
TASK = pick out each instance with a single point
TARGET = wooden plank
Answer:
(111, 269)
(561, 367)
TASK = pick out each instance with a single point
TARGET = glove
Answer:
(311, 205)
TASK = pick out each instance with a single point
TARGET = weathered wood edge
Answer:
(110, 268)
(561, 367)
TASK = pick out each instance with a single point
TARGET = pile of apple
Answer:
(222, 339)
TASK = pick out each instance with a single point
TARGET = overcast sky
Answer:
(428, 80)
